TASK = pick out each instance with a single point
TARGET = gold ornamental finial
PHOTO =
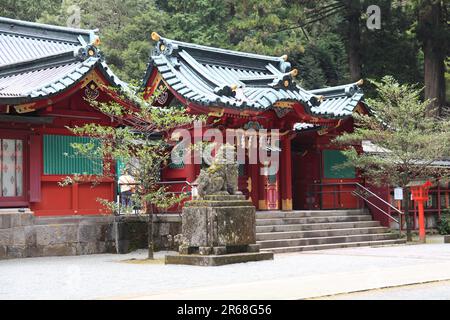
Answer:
(294, 73)
(320, 98)
(96, 42)
(360, 83)
(284, 57)
(155, 36)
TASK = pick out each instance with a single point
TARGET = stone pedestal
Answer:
(218, 230)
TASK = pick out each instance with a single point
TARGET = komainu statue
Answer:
(222, 176)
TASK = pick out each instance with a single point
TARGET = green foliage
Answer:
(382, 50)
(142, 150)
(261, 26)
(408, 140)
(28, 10)
(447, 78)
(443, 223)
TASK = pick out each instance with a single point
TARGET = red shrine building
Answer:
(242, 90)
(46, 74)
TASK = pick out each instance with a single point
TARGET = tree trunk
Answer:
(354, 38)
(406, 202)
(430, 30)
(149, 212)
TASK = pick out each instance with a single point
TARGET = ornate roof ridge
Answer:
(38, 61)
(60, 58)
(346, 89)
(188, 45)
(45, 31)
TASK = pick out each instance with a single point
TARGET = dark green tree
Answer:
(409, 139)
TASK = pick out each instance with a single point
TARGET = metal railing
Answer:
(372, 194)
(137, 209)
(360, 192)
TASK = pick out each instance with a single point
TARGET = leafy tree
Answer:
(124, 27)
(381, 48)
(28, 10)
(325, 39)
(411, 141)
(138, 149)
(434, 33)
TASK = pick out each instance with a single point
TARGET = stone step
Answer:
(319, 233)
(309, 220)
(266, 244)
(305, 213)
(316, 226)
(336, 246)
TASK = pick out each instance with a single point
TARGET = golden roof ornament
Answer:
(320, 99)
(155, 36)
(294, 73)
(96, 41)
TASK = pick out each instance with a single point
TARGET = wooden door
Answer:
(272, 192)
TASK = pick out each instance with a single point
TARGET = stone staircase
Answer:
(280, 232)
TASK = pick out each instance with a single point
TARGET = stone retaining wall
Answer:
(132, 232)
(24, 235)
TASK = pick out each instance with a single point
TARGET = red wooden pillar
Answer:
(253, 183)
(35, 167)
(421, 220)
(262, 185)
(439, 199)
(286, 173)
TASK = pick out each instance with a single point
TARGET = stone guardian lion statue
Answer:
(221, 178)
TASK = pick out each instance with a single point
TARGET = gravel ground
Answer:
(109, 276)
(429, 291)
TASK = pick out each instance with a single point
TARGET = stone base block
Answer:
(217, 260)
(447, 239)
(253, 247)
(204, 251)
(218, 251)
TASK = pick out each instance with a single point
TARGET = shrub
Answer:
(444, 223)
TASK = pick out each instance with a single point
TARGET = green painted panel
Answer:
(332, 158)
(60, 157)
(176, 165)
(272, 178)
(120, 168)
(241, 170)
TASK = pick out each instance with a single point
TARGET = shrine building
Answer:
(46, 75)
(238, 90)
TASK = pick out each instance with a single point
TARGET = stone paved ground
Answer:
(439, 290)
(108, 276)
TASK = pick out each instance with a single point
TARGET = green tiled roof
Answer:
(38, 60)
(207, 75)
